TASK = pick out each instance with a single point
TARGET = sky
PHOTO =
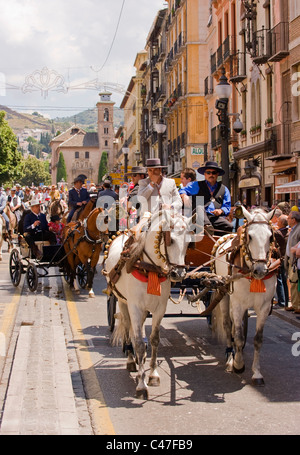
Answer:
(51, 51)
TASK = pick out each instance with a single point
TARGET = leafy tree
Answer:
(11, 163)
(61, 169)
(35, 172)
(103, 166)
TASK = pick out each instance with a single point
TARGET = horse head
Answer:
(257, 241)
(167, 241)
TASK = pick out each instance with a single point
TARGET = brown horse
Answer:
(56, 208)
(83, 244)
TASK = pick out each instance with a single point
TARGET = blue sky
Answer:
(70, 40)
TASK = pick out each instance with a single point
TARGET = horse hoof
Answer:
(131, 367)
(154, 381)
(258, 382)
(91, 296)
(239, 370)
(142, 394)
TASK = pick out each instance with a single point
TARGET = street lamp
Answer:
(137, 157)
(125, 151)
(223, 91)
(160, 128)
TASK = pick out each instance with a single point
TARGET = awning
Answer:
(292, 187)
(283, 166)
(249, 182)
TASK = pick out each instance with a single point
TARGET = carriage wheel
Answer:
(32, 277)
(111, 310)
(66, 273)
(82, 275)
(15, 267)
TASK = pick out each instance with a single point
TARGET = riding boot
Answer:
(38, 255)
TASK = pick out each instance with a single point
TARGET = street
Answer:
(60, 374)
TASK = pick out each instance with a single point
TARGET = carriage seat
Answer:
(41, 243)
(200, 253)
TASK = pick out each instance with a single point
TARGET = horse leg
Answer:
(121, 331)
(140, 351)
(238, 333)
(154, 379)
(257, 378)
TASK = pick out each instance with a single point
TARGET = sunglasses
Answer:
(211, 172)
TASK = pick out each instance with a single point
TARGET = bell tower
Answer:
(106, 125)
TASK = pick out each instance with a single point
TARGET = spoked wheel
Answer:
(15, 267)
(32, 277)
(111, 310)
(82, 275)
(66, 273)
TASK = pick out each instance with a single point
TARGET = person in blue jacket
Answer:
(36, 228)
(212, 195)
(78, 197)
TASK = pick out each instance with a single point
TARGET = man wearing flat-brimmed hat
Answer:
(213, 195)
(78, 196)
(36, 228)
(157, 191)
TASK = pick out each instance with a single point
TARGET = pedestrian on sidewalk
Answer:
(290, 260)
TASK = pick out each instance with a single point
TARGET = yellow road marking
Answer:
(7, 318)
(101, 422)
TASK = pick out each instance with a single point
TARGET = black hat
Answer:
(154, 162)
(55, 218)
(79, 179)
(210, 165)
(137, 170)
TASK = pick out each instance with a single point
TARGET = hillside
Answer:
(86, 120)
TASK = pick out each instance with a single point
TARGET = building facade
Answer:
(82, 151)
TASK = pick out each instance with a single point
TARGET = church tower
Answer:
(106, 126)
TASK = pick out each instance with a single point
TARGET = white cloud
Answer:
(72, 37)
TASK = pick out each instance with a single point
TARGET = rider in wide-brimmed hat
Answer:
(157, 191)
(212, 196)
(78, 196)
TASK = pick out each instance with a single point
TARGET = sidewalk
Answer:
(287, 316)
(44, 395)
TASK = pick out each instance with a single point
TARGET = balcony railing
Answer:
(229, 47)
(279, 42)
(238, 67)
(213, 63)
(261, 51)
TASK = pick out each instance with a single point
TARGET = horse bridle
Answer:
(86, 235)
(245, 241)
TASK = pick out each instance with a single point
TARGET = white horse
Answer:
(159, 242)
(251, 257)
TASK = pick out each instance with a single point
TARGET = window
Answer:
(76, 155)
(105, 130)
(296, 92)
(87, 155)
(106, 143)
(106, 115)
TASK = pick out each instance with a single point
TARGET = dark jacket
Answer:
(74, 197)
(30, 218)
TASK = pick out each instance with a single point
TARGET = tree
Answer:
(61, 169)
(35, 172)
(11, 164)
(103, 166)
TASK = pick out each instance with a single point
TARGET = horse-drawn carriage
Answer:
(242, 276)
(76, 258)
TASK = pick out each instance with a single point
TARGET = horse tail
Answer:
(121, 333)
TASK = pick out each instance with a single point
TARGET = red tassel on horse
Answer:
(257, 285)
(153, 284)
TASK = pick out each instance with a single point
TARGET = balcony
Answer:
(238, 68)
(208, 86)
(213, 63)
(279, 42)
(229, 47)
(261, 46)
(215, 137)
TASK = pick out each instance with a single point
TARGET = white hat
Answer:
(34, 202)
